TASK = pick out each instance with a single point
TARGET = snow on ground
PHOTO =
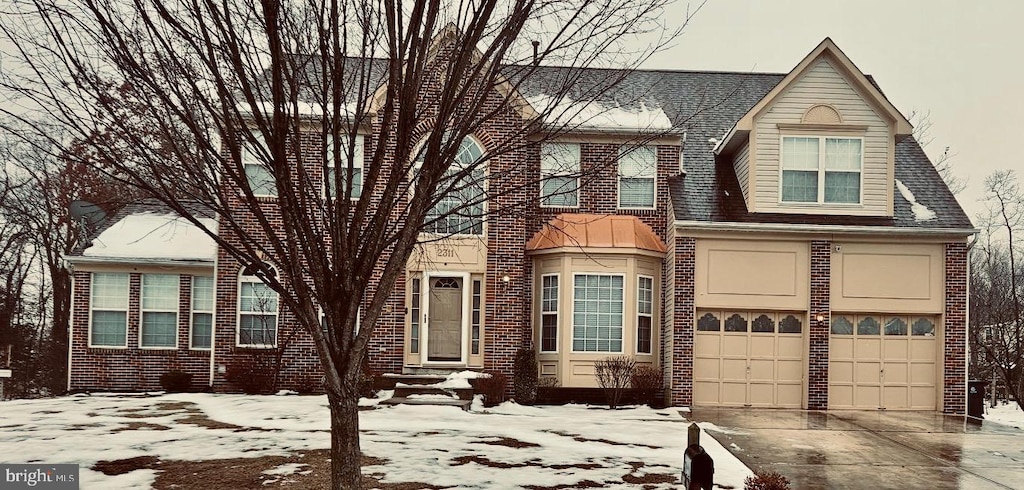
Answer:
(1006, 414)
(501, 447)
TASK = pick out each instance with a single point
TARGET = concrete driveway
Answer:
(848, 449)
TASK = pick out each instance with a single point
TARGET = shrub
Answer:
(492, 387)
(524, 381)
(613, 375)
(176, 381)
(254, 374)
(766, 480)
(547, 383)
(648, 382)
(367, 380)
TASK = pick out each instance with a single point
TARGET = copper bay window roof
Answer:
(596, 231)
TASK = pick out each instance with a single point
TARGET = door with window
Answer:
(883, 362)
(752, 359)
(444, 324)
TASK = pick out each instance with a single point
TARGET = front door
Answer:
(444, 336)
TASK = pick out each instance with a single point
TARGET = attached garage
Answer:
(883, 362)
(749, 359)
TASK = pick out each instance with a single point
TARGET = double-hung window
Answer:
(597, 313)
(257, 171)
(339, 169)
(109, 305)
(821, 169)
(202, 312)
(159, 311)
(559, 174)
(637, 177)
(644, 314)
(549, 313)
(257, 313)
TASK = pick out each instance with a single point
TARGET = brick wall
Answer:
(131, 368)
(682, 328)
(818, 331)
(954, 389)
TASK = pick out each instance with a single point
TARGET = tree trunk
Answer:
(346, 457)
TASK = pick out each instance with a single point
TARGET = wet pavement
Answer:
(860, 449)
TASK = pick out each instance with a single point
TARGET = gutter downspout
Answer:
(213, 327)
(71, 320)
(967, 325)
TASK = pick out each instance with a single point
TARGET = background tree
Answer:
(997, 286)
(223, 94)
(922, 121)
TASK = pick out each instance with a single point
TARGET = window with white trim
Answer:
(644, 314)
(109, 310)
(414, 321)
(559, 174)
(257, 312)
(549, 313)
(330, 178)
(597, 313)
(637, 177)
(460, 211)
(159, 310)
(257, 170)
(201, 336)
(821, 169)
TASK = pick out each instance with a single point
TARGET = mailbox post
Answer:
(698, 467)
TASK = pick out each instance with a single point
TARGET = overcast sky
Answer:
(962, 61)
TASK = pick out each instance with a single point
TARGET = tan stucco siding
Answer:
(887, 278)
(752, 274)
(741, 163)
(823, 84)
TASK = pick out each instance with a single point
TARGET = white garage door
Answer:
(752, 359)
(883, 361)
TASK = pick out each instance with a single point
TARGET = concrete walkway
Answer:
(871, 450)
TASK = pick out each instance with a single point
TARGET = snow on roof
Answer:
(151, 235)
(597, 115)
(921, 212)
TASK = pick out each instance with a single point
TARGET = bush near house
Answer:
(176, 381)
(525, 380)
(254, 374)
(492, 387)
(614, 375)
(648, 382)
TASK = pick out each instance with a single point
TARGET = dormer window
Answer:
(821, 169)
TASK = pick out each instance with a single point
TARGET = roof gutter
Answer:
(80, 259)
(806, 228)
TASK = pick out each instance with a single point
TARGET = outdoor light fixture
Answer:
(820, 318)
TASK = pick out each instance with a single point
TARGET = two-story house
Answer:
(789, 245)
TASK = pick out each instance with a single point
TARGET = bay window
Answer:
(597, 313)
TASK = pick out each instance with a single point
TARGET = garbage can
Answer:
(976, 398)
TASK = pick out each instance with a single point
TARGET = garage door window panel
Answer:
(790, 324)
(842, 325)
(923, 327)
(868, 326)
(895, 326)
(763, 324)
(709, 323)
(736, 323)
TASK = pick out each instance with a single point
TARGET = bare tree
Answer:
(922, 121)
(231, 102)
(997, 281)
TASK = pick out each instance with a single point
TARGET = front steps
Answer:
(435, 389)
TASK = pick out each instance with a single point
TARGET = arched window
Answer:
(461, 210)
(257, 310)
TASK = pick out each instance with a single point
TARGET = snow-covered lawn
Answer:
(507, 446)
(1006, 414)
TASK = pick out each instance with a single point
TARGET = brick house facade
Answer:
(744, 291)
